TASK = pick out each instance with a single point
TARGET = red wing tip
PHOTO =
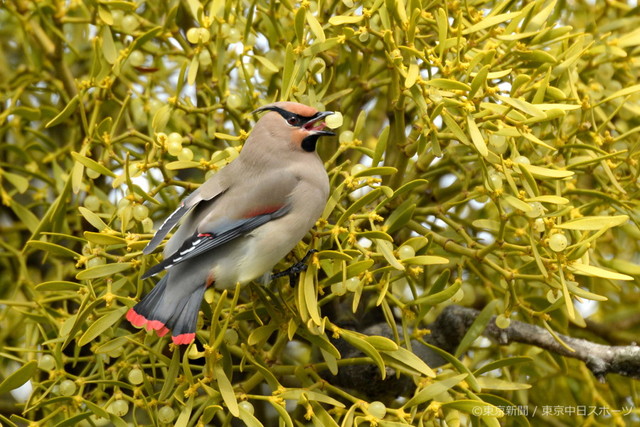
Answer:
(184, 338)
(162, 332)
(136, 319)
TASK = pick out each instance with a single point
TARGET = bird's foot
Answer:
(294, 271)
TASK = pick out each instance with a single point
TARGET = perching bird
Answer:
(240, 222)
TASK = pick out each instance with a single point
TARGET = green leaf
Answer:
(379, 170)
(182, 164)
(381, 343)
(474, 407)
(248, 418)
(448, 84)
(92, 164)
(455, 128)
(352, 270)
(425, 260)
(171, 376)
(341, 20)
(26, 216)
(226, 390)
(477, 327)
(267, 63)
(408, 358)
(100, 325)
(103, 238)
(490, 383)
(541, 172)
(593, 271)
(19, 377)
(315, 27)
(20, 182)
(103, 270)
(67, 111)
(359, 204)
(517, 203)
(557, 200)
(93, 219)
(476, 137)
(434, 389)
(502, 363)
(357, 341)
(261, 334)
(58, 285)
(111, 345)
(386, 249)
(282, 412)
(185, 414)
(594, 223)
(108, 46)
(192, 75)
(490, 22)
(296, 394)
(52, 248)
(438, 297)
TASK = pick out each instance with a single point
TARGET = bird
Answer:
(243, 220)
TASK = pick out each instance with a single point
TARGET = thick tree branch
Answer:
(453, 322)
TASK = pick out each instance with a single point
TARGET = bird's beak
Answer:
(318, 128)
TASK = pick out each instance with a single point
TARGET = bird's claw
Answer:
(294, 271)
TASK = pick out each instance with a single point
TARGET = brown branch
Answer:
(453, 322)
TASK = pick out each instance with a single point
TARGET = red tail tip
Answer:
(184, 338)
(136, 319)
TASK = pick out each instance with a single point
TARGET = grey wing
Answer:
(200, 243)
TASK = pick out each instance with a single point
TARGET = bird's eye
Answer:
(293, 121)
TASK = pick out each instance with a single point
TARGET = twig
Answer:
(452, 323)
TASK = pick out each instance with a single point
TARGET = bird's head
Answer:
(299, 124)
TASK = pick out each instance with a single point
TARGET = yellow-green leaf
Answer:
(267, 63)
(540, 172)
(103, 270)
(315, 26)
(594, 223)
(103, 238)
(557, 200)
(226, 390)
(52, 248)
(68, 110)
(19, 377)
(438, 297)
(476, 137)
(92, 164)
(448, 84)
(386, 249)
(27, 217)
(434, 389)
(517, 203)
(92, 218)
(108, 46)
(182, 164)
(356, 341)
(412, 75)
(20, 182)
(100, 325)
(426, 260)
(490, 22)
(408, 358)
(593, 271)
(341, 19)
(193, 70)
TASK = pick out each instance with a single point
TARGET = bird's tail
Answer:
(155, 312)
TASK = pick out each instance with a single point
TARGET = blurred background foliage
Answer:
(488, 158)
